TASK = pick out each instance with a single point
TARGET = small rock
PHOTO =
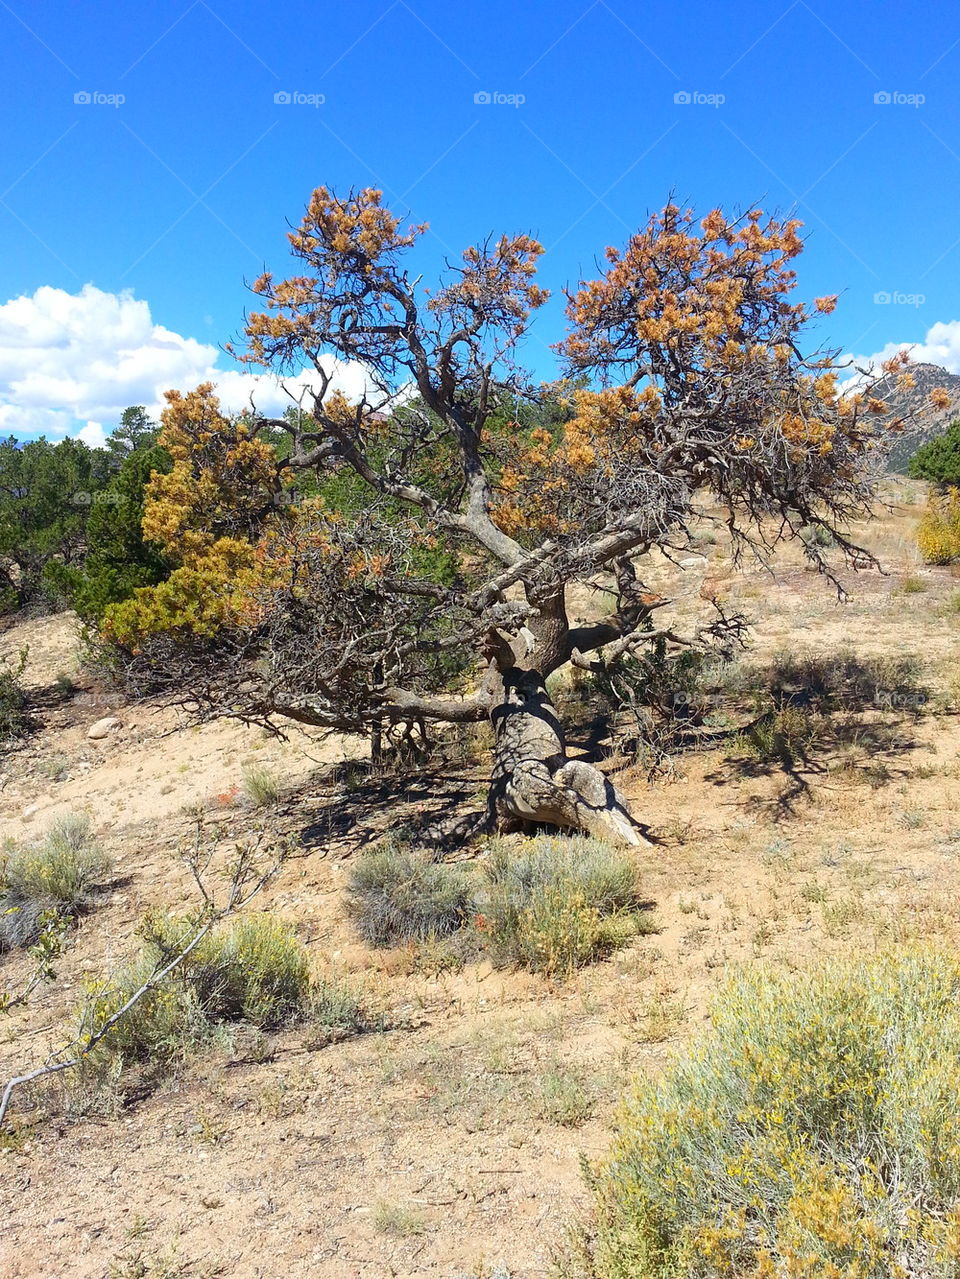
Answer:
(102, 728)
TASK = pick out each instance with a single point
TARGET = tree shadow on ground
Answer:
(437, 807)
(875, 751)
(359, 803)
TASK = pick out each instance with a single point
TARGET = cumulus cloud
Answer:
(70, 363)
(940, 346)
(93, 434)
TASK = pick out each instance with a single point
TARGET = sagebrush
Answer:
(52, 877)
(556, 903)
(252, 970)
(398, 895)
(812, 1132)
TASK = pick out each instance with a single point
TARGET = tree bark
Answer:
(534, 781)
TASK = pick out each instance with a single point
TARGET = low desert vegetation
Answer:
(251, 970)
(261, 786)
(14, 719)
(782, 736)
(813, 1131)
(657, 701)
(797, 705)
(397, 894)
(54, 877)
(549, 903)
(812, 535)
(662, 705)
(565, 1096)
(398, 1220)
(832, 681)
(558, 903)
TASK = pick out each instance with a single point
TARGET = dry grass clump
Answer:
(398, 1220)
(565, 1096)
(261, 786)
(253, 970)
(137, 1263)
(51, 878)
(812, 1132)
(398, 895)
(559, 902)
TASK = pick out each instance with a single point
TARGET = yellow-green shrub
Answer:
(813, 1132)
(253, 970)
(164, 1026)
(54, 876)
(938, 533)
(558, 902)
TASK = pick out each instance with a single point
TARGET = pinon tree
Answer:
(939, 459)
(409, 557)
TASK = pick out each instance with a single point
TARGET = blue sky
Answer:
(166, 202)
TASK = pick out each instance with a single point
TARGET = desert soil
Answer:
(450, 1143)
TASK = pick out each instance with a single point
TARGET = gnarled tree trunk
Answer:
(534, 781)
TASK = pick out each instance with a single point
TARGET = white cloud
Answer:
(93, 434)
(70, 363)
(940, 346)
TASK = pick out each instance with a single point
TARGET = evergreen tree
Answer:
(939, 460)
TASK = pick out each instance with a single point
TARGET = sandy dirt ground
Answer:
(438, 1147)
(154, 764)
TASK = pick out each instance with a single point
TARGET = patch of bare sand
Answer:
(154, 764)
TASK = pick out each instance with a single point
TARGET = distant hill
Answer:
(935, 421)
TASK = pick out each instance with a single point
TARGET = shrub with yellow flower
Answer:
(812, 1132)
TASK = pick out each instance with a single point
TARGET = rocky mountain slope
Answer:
(934, 422)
